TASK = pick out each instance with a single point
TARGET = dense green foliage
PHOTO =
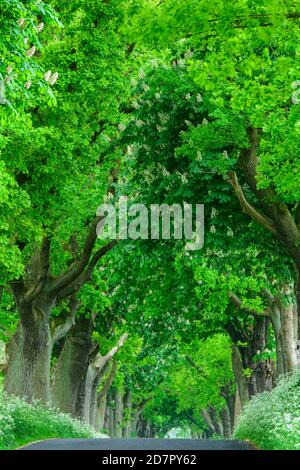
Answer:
(171, 102)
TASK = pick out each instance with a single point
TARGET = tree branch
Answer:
(86, 275)
(248, 208)
(195, 366)
(101, 361)
(40, 270)
(104, 390)
(78, 266)
(62, 325)
(237, 302)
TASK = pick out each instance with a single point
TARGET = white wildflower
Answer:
(204, 122)
(188, 97)
(146, 87)
(157, 96)
(28, 84)
(142, 74)
(225, 154)
(9, 69)
(229, 233)
(133, 82)
(199, 98)
(139, 123)
(199, 156)
(212, 229)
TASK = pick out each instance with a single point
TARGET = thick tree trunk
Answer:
(100, 415)
(111, 421)
(226, 421)
(127, 413)
(288, 338)
(216, 421)
(90, 379)
(29, 351)
(71, 370)
(119, 414)
(284, 322)
(207, 419)
(242, 383)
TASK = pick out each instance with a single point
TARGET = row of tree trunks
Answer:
(30, 349)
(121, 418)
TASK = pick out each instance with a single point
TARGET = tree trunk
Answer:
(226, 421)
(100, 416)
(119, 413)
(71, 370)
(29, 351)
(241, 380)
(216, 421)
(285, 329)
(288, 338)
(111, 421)
(127, 413)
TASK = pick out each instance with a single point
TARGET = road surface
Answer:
(137, 444)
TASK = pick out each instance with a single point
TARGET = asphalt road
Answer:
(137, 444)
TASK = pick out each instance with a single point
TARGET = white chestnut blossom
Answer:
(214, 213)
(121, 127)
(31, 51)
(47, 75)
(40, 27)
(54, 78)
(21, 22)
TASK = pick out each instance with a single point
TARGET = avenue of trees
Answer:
(167, 102)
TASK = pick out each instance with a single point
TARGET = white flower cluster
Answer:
(214, 213)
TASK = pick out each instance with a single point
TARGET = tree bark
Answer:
(71, 370)
(226, 421)
(118, 414)
(242, 383)
(29, 351)
(127, 413)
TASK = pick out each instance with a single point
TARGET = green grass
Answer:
(271, 421)
(21, 423)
